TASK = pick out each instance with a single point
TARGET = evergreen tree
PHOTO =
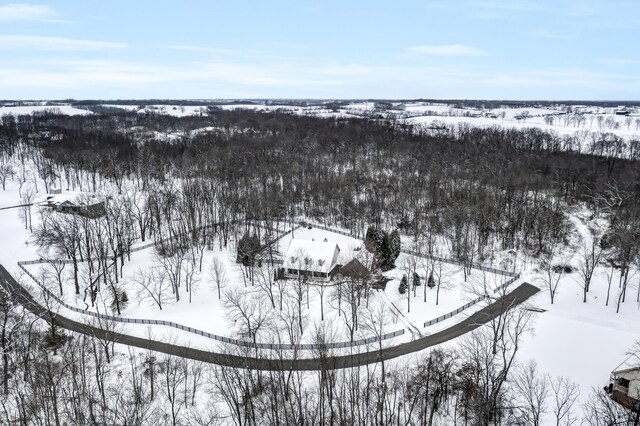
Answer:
(394, 245)
(431, 283)
(248, 248)
(385, 255)
(404, 286)
(416, 280)
(373, 240)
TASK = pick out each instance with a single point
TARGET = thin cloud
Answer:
(561, 78)
(507, 5)
(201, 49)
(448, 50)
(619, 61)
(541, 33)
(506, 9)
(54, 43)
(28, 12)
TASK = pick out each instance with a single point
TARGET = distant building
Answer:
(622, 111)
(311, 258)
(80, 203)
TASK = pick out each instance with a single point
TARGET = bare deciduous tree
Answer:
(217, 272)
(153, 286)
(532, 389)
(565, 394)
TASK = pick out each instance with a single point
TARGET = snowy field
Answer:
(28, 110)
(581, 121)
(207, 312)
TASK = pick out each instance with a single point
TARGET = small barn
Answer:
(311, 258)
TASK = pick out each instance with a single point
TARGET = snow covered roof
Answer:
(323, 255)
(72, 198)
(632, 363)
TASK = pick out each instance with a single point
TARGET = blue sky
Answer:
(497, 49)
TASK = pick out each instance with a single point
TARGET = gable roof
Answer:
(354, 269)
(73, 198)
(323, 255)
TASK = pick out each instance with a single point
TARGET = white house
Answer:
(313, 258)
(80, 203)
(625, 385)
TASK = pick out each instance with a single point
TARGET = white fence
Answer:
(237, 342)
(470, 304)
(514, 276)
(249, 344)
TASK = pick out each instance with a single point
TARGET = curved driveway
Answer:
(517, 296)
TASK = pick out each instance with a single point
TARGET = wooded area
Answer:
(468, 191)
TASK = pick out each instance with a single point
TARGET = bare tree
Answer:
(533, 390)
(190, 276)
(26, 198)
(246, 311)
(588, 259)
(409, 265)
(610, 272)
(217, 272)
(264, 277)
(12, 321)
(108, 330)
(344, 298)
(6, 172)
(173, 268)
(153, 286)
(173, 370)
(551, 275)
(601, 410)
(442, 276)
(487, 359)
(565, 394)
(61, 233)
(58, 272)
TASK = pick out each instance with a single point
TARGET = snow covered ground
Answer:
(562, 120)
(27, 110)
(584, 341)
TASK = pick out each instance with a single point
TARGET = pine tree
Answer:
(416, 280)
(386, 262)
(404, 286)
(431, 283)
(394, 245)
(373, 240)
(248, 248)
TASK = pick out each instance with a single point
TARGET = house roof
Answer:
(321, 253)
(625, 371)
(631, 363)
(354, 269)
(73, 198)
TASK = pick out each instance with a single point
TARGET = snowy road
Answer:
(517, 296)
